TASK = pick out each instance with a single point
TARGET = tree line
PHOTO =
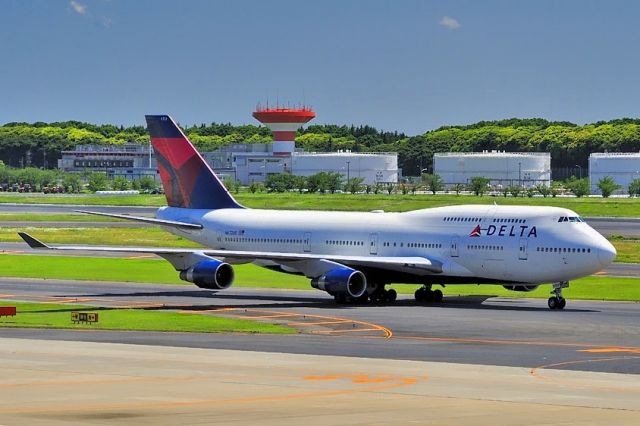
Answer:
(40, 144)
(331, 182)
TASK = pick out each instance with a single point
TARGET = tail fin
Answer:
(187, 179)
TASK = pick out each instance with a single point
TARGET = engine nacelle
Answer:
(525, 288)
(343, 280)
(210, 274)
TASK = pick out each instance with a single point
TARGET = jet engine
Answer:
(210, 274)
(343, 281)
(525, 288)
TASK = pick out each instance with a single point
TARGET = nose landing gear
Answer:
(557, 301)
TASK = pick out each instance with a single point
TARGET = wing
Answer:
(162, 222)
(312, 265)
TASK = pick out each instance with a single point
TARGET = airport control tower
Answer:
(283, 122)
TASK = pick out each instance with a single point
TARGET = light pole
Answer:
(519, 174)
(348, 162)
(579, 169)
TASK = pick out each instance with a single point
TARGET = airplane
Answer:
(354, 255)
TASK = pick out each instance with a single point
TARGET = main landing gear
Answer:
(379, 295)
(557, 301)
(425, 294)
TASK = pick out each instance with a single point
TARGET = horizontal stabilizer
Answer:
(153, 221)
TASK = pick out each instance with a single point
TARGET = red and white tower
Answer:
(283, 122)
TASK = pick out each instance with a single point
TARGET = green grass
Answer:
(161, 272)
(628, 250)
(360, 202)
(627, 207)
(85, 199)
(47, 315)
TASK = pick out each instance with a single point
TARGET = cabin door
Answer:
(306, 242)
(455, 249)
(373, 243)
(522, 249)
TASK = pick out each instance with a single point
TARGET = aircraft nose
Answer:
(606, 253)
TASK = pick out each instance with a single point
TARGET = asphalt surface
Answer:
(62, 382)
(481, 330)
(608, 226)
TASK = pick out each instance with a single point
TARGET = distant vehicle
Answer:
(56, 189)
(153, 191)
(354, 255)
(16, 187)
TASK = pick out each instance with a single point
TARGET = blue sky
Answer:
(399, 65)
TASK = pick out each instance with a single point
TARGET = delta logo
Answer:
(506, 231)
(475, 232)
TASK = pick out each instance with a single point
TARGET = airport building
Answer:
(245, 163)
(623, 167)
(504, 169)
(248, 163)
(129, 160)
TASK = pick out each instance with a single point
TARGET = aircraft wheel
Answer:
(391, 295)
(437, 296)
(362, 299)
(562, 303)
(420, 295)
(340, 299)
(553, 303)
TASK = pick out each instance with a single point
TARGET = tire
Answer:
(553, 303)
(562, 304)
(391, 295)
(436, 296)
(419, 295)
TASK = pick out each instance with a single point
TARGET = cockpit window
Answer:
(570, 219)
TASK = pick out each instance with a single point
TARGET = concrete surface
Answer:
(46, 382)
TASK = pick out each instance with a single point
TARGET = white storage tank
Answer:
(372, 167)
(623, 167)
(502, 168)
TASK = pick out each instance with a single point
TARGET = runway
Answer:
(587, 335)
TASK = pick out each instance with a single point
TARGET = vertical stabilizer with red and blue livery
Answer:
(187, 179)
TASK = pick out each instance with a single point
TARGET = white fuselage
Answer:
(474, 243)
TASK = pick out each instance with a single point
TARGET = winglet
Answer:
(33, 242)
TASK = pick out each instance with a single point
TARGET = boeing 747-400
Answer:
(354, 255)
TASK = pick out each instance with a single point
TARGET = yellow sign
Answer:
(88, 317)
